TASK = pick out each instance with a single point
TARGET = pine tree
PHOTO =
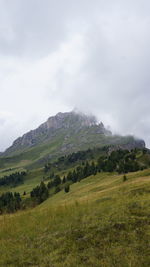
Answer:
(74, 176)
(124, 178)
(57, 189)
(57, 180)
(69, 176)
(64, 180)
(67, 188)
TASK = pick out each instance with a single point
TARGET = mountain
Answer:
(69, 123)
(63, 134)
(89, 208)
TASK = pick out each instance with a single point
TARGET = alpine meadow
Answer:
(74, 133)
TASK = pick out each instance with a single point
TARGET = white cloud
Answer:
(30, 90)
(55, 56)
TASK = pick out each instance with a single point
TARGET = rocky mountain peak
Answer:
(67, 132)
(68, 123)
(69, 120)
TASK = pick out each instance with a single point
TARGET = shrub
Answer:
(57, 189)
(124, 178)
(40, 193)
(67, 188)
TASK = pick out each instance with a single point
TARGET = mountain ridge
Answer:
(63, 134)
(67, 120)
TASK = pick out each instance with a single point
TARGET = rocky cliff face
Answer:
(66, 133)
(134, 143)
(69, 122)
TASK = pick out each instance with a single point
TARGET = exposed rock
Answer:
(69, 132)
(136, 143)
(48, 130)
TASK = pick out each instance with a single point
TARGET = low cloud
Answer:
(57, 56)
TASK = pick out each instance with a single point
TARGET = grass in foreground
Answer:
(102, 221)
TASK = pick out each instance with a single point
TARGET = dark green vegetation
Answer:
(75, 206)
(10, 202)
(75, 158)
(96, 160)
(67, 188)
(40, 193)
(13, 179)
(62, 134)
(75, 167)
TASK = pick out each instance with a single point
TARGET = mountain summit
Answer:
(68, 123)
(66, 133)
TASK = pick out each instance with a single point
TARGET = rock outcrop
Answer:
(66, 133)
(69, 121)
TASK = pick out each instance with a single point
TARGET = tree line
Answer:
(69, 160)
(118, 160)
(41, 192)
(121, 161)
(10, 202)
(13, 179)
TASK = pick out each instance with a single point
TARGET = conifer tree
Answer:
(67, 188)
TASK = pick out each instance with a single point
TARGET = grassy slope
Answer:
(35, 176)
(32, 179)
(102, 221)
(35, 156)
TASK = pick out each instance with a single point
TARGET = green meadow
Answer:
(102, 221)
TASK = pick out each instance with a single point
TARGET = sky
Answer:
(59, 55)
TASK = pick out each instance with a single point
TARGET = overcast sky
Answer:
(56, 55)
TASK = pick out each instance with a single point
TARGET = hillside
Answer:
(102, 221)
(59, 135)
(75, 165)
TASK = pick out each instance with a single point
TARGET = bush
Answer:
(57, 189)
(67, 188)
(13, 179)
(10, 202)
(40, 193)
(124, 178)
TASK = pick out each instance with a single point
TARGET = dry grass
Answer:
(102, 221)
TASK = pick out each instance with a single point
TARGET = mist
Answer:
(60, 55)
